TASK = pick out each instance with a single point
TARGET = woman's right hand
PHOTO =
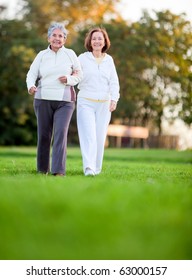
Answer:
(32, 90)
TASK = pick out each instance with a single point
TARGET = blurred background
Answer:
(152, 48)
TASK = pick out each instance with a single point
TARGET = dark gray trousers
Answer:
(53, 119)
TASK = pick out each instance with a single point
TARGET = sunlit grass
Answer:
(140, 207)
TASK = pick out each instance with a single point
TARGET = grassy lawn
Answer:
(140, 207)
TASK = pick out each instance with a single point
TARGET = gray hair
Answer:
(57, 25)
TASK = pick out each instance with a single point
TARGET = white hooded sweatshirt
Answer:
(47, 67)
(100, 81)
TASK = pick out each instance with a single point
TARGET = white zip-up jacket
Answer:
(100, 81)
(46, 69)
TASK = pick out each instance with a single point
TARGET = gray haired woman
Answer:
(50, 79)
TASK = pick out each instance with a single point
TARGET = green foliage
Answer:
(153, 58)
(171, 65)
(19, 46)
(139, 207)
(20, 42)
(157, 64)
(75, 14)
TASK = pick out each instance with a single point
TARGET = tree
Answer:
(75, 14)
(169, 40)
(18, 49)
(20, 41)
(153, 59)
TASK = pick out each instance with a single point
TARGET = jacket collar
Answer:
(60, 50)
(91, 56)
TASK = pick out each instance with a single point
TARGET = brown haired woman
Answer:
(97, 98)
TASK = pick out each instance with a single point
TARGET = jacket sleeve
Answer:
(114, 82)
(73, 80)
(33, 72)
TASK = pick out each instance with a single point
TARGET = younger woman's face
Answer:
(97, 41)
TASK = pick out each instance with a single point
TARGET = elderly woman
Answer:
(51, 78)
(97, 99)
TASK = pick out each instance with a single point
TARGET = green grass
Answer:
(140, 207)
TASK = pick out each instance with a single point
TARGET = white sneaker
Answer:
(89, 172)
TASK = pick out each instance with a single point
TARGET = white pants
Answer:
(92, 123)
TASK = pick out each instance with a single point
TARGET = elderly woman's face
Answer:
(57, 39)
(97, 41)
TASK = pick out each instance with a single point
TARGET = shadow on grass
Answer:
(11, 172)
(30, 154)
(122, 155)
(149, 156)
(17, 154)
(150, 160)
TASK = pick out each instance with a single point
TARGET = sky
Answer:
(132, 9)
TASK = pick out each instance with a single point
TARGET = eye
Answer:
(60, 36)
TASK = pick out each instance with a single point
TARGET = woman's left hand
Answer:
(113, 106)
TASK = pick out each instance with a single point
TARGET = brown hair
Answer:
(88, 37)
